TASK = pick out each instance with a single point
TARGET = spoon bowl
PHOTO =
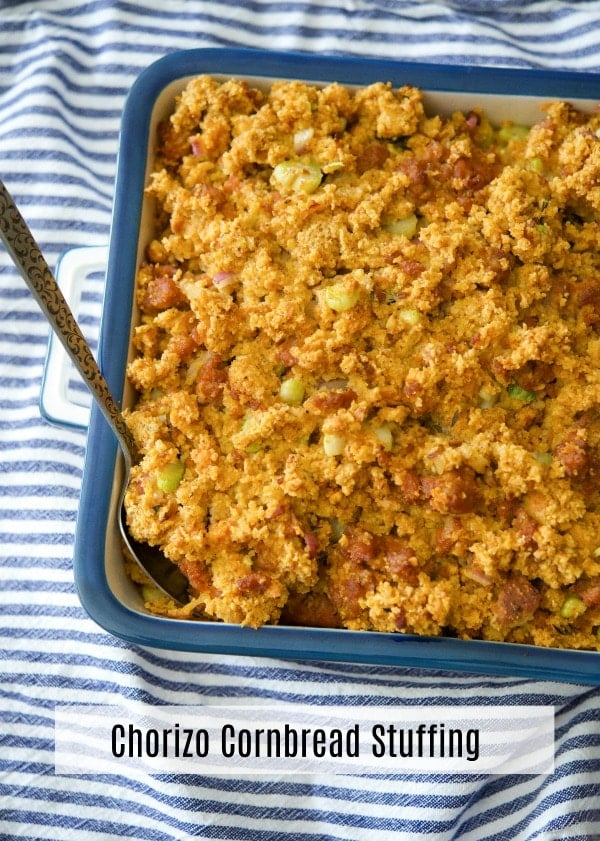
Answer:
(28, 258)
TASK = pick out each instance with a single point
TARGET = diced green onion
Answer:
(572, 607)
(253, 446)
(150, 593)
(515, 391)
(393, 148)
(536, 165)
(297, 176)
(339, 298)
(512, 131)
(406, 227)
(170, 476)
(484, 135)
(333, 445)
(337, 529)
(291, 391)
(543, 458)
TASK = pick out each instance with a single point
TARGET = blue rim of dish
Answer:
(280, 642)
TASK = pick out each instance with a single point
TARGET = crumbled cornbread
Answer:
(368, 364)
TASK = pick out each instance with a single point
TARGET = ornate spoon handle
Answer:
(28, 258)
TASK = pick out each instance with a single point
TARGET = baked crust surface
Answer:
(368, 365)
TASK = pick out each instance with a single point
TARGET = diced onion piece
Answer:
(312, 544)
(197, 148)
(406, 227)
(194, 367)
(411, 317)
(223, 280)
(478, 576)
(333, 445)
(334, 384)
(296, 176)
(597, 552)
(339, 298)
(572, 607)
(384, 434)
(487, 397)
(291, 391)
(301, 139)
(170, 476)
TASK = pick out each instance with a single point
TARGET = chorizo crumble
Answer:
(368, 365)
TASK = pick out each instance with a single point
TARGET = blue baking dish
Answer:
(105, 592)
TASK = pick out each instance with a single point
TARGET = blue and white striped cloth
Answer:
(65, 68)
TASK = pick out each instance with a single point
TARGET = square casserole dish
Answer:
(104, 589)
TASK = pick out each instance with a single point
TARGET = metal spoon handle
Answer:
(28, 258)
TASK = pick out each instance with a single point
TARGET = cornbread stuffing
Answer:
(368, 365)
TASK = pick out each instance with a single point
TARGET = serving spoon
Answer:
(28, 258)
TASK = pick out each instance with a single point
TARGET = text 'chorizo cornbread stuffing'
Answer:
(368, 365)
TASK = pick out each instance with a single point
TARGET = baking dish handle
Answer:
(64, 399)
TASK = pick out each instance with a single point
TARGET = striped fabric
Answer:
(65, 68)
